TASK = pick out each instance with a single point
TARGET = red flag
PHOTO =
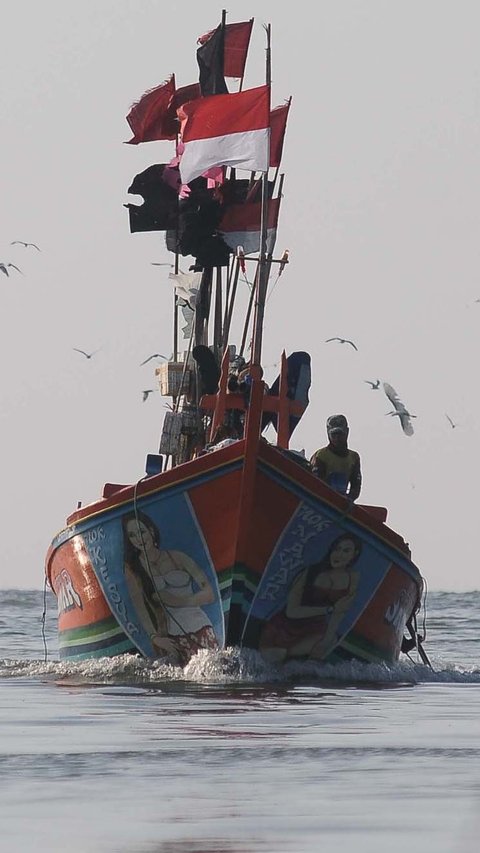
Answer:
(237, 40)
(154, 116)
(278, 123)
(181, 96)
(226, 130)
(240, 225)
(147, 116)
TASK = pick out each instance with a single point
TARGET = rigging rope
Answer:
(44, 617)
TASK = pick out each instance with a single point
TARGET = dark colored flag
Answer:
(278, 123)
(159, 210)
(196, 234)
(199, 217)
(210, 62)
(147, 116)
(237, 40)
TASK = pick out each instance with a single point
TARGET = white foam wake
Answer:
(233, 665)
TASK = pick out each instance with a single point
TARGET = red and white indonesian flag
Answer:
(240, 225)
(226, 130)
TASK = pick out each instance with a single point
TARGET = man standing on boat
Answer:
(336, 463)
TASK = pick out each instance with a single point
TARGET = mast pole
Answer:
(263, 266)
(175, 315)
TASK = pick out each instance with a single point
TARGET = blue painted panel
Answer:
(322, 569)
(157, 575)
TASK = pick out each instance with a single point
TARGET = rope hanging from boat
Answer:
(421, 638)
(44, 618)
(416, 639)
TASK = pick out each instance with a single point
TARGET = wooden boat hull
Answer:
(241, 546)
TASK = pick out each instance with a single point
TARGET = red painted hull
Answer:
(241, 546)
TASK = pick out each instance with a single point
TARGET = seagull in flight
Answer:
(22, 243)
(160, 264)
(86, 354)
(404, 420)
(4, 268)
(146, 393)
(342, 341)
(401, 410)
(450, 421)
(374, 385)
(155, 355)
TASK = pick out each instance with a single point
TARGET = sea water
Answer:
(231, 755)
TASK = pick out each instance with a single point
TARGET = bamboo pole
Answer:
(263, 265)
(217, 320)
(231, 302)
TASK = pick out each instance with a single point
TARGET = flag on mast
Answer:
(147, 115)
(226, 130)
(181, 96)
(210, 63)
(278, 124)
(154, 115)
(235, 49)
(241, 223)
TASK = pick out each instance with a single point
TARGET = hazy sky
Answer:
(380, 214)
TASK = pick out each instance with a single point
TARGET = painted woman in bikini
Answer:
(318, 598)
(168, 589)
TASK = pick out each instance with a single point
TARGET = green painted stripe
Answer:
(92, 638)
(244, 574)
(108, 652)
(363, 649)
(225, 574)
(90, 630)
(251, 586)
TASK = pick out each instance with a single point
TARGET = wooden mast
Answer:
(263, 265)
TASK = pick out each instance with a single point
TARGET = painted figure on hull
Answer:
(168, 590)
(317, 601)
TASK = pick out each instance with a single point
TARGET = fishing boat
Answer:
(227, 538)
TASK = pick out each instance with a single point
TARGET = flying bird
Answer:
(342, 341)
(450, 421)
(146, 393)
(86, 354)
(155, 355)
(374, 385)
(3, 268)
(401, 410)
(404, 420)
(161, 264)
(22, 243)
